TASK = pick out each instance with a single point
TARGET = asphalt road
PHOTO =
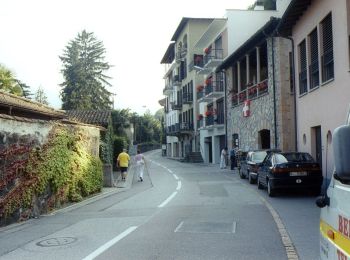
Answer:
(179, 211)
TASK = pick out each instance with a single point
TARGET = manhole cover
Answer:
(56, 241)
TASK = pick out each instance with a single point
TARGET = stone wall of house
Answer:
(19, 137)
(262, 108)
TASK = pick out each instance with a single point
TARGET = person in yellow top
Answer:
(123, 162)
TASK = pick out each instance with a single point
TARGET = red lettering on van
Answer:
(341, 255)
(344, 226)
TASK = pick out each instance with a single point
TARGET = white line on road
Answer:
(170, 171)
(175, 176)
(110, 243)
(179, 226)
(178, 185)
(167, 200)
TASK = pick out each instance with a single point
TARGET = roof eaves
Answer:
(263, 32)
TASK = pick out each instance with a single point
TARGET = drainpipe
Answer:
(274, 92)
(295, 97)
(225, 108)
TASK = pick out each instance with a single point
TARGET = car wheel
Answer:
(270, 190)
(240, 174)
(260, 186)
(250, 179)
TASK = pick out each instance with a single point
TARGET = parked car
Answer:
(249, 166)
(291, 170)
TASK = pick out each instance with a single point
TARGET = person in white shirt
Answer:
(140, 164)
(223, 158)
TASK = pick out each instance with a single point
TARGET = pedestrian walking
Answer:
(140, 164)
(123, 163)
(233, 158)
(223, 158)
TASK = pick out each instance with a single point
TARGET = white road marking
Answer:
(179, 226)
(167, 200)
(110, 243)
(175, 176)
(178, 185)
(170, 171)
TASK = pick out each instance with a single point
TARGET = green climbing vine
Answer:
(62, 166)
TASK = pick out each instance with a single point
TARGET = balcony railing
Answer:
(176, 105)
(186, 126)
(213, 58)
(252, 92)
(176, 80)
(173, 129)
(168, 89)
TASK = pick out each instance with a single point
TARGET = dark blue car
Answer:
(293, 170)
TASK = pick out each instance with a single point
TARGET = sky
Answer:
(135, 34)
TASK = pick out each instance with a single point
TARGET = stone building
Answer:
(261, 111)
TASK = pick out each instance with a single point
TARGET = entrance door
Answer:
(318, 145)
(264, 139)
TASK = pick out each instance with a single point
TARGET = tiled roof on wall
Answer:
(95, 117)
(18, 105)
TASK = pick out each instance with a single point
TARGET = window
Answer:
(327, 49)
(313, 66)
(302, 68)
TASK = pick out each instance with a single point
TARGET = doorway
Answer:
(317, 140)
(264, 139)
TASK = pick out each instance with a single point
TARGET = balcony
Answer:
(180, 55)
(173, 129)
(187, 97)
(213, 121)
(213, 90)
(176, 105)
(176, 80)
(186, 127)
(252, 92)
(213, 58)
(168, 89)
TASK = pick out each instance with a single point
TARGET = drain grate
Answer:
(206, 227)
(56, 241)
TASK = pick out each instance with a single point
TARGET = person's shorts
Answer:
(123, 169)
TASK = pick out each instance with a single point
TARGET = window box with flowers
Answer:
(234, 99)
(208, 113)
(242, 96)
(207, 50)
(208, 81)
(200, 88)
(252, 92)
(199, 117)
(262, 87)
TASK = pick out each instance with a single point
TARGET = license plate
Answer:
(298, 174)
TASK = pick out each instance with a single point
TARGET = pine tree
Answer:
(85, 83)
(40, 96)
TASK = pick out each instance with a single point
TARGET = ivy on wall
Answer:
(60, 171)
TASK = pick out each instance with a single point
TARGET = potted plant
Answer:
(200, 88)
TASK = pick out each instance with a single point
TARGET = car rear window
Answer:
(258, 156)
(298, 157)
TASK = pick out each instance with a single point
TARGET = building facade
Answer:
(320, 31)
(260, 92)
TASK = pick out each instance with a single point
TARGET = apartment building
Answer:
(261, 111)
(222, 38)
(181, 106)
(320, 32)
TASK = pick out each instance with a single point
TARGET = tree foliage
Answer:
(85, 84)
(40, 96)
(8, 82)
